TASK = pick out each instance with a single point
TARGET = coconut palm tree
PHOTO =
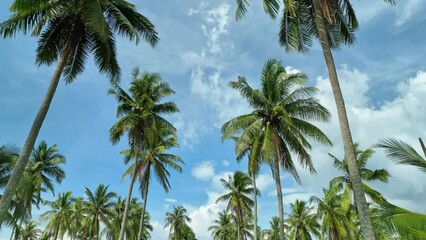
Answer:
(44, 168)
(252, 148)
(366, 174)
(302, 222)
(333, 22)
(176, 220)
(78, 220)
(402, 153)
(139, 113)
(335, 212)
(282, 108)
(58, 218)
(30, 232)
(221, 230)
(274, 232)
(239, 187)
(112, 231)
(68, 32)
(99, 208)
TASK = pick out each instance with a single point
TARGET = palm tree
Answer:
(69, 31)
(302, 222)
(177, 220)
(139, 114)
(334, 210)
(274, 232)
(333, 22)
(99, 208)
(30, 232)
(251, 147)
(186, 233)
(112, 231)
(42, 169)
(222, 228)
(402, 153)
(239, 187)
(78, 220)
(366, 174)
(59, 215)
(44, 166)
(282, 108)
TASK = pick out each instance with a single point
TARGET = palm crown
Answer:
(78, 28)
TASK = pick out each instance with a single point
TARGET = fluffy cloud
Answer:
(401, 117)
(204, 171)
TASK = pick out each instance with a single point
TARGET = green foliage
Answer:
(368, 175)
(302, 223)
(177, 221)
(402, 153)
(80, 27)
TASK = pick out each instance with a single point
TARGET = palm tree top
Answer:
(80, 26)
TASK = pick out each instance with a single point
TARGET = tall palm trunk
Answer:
(275, 168)
(145, 199)
(19, 168)
(253, 176)
(361, 203)
(240, 222)
(129, 196)
(277, 179)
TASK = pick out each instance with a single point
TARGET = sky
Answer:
(201, 49)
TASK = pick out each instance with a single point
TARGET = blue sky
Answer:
(201, 49)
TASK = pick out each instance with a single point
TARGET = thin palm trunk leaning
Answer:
(145, 199)
(253, 176)
(359, 195)
(129, 196)
(18, 171)
(276, 173)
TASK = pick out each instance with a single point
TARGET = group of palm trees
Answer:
(276, 132)
(330, 217)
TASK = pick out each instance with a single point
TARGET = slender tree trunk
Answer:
(361, 203)
(145, 199)
(276, 176)
(19, 168)
(280, 201)
(129, 196)
(255, 205)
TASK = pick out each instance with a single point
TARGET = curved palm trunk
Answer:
(145, 195)
(255, 205)
(361, 203)
(129, 196)
(19, 168)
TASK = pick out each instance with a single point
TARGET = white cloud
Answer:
(401, 118)
(159, 231)
(404, 11)
(264, 181)
(204, 171)
(170, 200)
(225, 163)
